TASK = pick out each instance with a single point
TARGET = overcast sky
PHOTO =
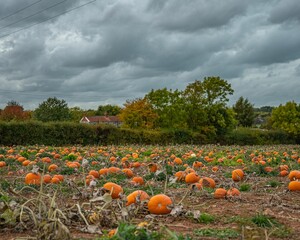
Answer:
(108, 51)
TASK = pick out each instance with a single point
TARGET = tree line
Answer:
(201, 107)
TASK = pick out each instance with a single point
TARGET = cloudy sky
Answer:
(106, 51)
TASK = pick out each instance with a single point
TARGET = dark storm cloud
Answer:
(287, 10)
(113, 50)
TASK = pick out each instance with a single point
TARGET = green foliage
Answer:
(264, 221)
(206, 218)
(248, 136)
(244, 112)
(168, 105)
(52, 109)
(110, 110)
(287, 118)
(66, 133)
(245, 187)
(217, 233)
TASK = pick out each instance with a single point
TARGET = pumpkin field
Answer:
(150, 192)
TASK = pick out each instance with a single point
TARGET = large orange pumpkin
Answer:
(207, 182)
(192, 178)
(114, 189)
(142, 195)
(220, 193)
(160, 204)
(237, 175)
(33, 178)
(294, 186)
(294, 175)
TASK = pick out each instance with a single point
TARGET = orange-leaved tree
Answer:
(138, 113)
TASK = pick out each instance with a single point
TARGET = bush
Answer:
(68, 133)
(250, 136)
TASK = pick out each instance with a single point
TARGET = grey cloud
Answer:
(285, 10)
(190, 16)
(110, 51)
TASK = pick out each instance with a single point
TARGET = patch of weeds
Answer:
(206, 218)
(282, 232)
(67, 171)
(177, 185)
(264, 221)
(4, 185)
(239, 220)
(273, 183)
(228, 175)
(245, 187)
(217, 233)
(45, 154)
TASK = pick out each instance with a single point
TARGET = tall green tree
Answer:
(168, 105)
(110, 110)
(206, 104)
(52, 109)
(244, 112)
(138, 113)
(287, 117)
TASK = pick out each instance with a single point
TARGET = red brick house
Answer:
(114, 120)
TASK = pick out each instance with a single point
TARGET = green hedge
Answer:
(250, 136)
(66, 133)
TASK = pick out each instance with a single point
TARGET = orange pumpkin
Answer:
(283, 173)
(178, 161)
(207, 182)
(52, 167)
(138, 180)
(115, 189)
(237, 175)
(59, 176)
(47, 178)
(26, 162)
(142, 195)
(55, 180)
(103, 171)
(2, 164)
(232, 192)
(294, 186)
(128, 172)
(160, 204)
(294, 175)
(220, 193)
(114, 170)
(192, 178)
(94, 173)
(180, 175)
(88, 179)
(33, 178)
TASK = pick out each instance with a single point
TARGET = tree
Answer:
(14, 111)
(138, 113)
(168, 105)
(287, 118)
(109, 110)
(52, 109)
(244, 111)
(206, 104)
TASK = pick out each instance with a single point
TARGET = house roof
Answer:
(97, 119)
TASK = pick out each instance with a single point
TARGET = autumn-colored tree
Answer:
(14, 111)
(138, 113)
